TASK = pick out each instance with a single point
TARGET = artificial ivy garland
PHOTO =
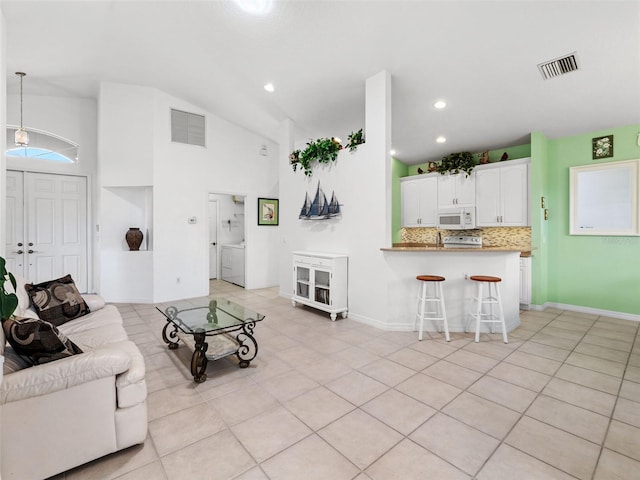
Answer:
(323, 150)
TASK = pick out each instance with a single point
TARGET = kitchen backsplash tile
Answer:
(519, 237)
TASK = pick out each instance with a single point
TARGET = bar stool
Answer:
(438, 313)
(491, 298)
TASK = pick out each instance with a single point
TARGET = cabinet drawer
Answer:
(299, 259)
(322, 262)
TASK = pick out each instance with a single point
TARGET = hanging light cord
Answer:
(22, 74)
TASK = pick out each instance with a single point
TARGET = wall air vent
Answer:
(187, 128)
(559, 66)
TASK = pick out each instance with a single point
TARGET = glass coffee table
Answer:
(223, 328)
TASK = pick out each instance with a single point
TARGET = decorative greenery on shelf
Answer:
(456, 163)
(8, 301)
(354, 139)
(322, 150)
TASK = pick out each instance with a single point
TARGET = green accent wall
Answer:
(601, 272)
(539, 231)
(398, 170)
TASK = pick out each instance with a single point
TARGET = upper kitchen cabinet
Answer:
(419, 201)
(502, 194)
(456, 190)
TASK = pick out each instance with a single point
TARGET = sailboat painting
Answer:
(319, 208)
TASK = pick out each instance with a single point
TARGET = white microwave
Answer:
(463, 218)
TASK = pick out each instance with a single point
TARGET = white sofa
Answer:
(58, 415)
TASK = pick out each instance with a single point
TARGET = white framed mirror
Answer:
(604, 199)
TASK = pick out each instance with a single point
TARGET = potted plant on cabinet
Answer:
(456, 163)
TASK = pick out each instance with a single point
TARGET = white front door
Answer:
(213, 239)
(51, 225)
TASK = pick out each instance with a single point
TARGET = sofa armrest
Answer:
(94, 302)
(58, 375)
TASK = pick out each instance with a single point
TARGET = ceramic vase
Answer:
(134, 238)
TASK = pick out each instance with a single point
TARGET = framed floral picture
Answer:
(268, 213)
(602, 147)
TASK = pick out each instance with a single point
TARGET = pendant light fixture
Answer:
(22, 136)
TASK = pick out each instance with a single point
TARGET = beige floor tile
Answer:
(429, 390)
(533, 362)
(288, 385)
(630, 390)
(380, 346)
(496, 350)
(624, 439)
(399, 411)
(387, 372)
(325, 370)
(597, 364)
(602, 352)
(177, 430)
(267, 434)
(553, 340)
(472, 361)
(581, 396)
(360, 437)
(503, 393)
(632, 373)
(357, 388)
(412, 359)
(614, 334)
(434, 348)
(560, 449)
(523, 377)
(255, 473)
(117, 464)
(571, 324)
(245, 403)
(589, 378)
(613, 466)
(546, 351)
(486, 416)
(408, 460)
(201, 461)
(172, 399)
(319, 407)
(628, 412)
(622, 345)
(570, 418)
(310, 459)
(510, 464)
(457, 443)
(354, 357)
(452, 374)
(560, 332)
(166, 378)
(153, 470)
(210, 390)
(634, 360)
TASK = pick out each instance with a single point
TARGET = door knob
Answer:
(20, 244)
(31, 244)
(32, 251)
(19, 252)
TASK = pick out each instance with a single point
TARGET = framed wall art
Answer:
(268, 211)
(602, 147)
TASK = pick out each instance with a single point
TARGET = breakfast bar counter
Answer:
(406, 261)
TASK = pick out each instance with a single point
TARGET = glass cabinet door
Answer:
(302, 282)
(322, 285)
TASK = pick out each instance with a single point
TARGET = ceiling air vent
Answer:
(559, 66)
(187, 128)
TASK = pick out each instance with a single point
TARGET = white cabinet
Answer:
(320, 281)
(456, 190)
(502, 194)
(419, 201)
(232, 263)
(525, 282)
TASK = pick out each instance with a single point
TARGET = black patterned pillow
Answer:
(57, 301)
(38, 340)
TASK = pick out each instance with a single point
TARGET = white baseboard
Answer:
(593, 311)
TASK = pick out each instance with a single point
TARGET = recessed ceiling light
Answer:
(440, 104)
(269, 87)
(441, 139)
(255, 7)
(392, 152)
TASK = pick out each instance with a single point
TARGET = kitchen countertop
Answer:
(426, 247)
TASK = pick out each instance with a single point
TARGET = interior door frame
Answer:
(217, 245)
(92, 268)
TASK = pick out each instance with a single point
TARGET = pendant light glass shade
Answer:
(22, 136)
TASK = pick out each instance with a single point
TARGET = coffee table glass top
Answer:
(220, 315)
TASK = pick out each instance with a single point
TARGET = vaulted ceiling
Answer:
(480, 57)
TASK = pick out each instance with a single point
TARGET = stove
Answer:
(462, 241)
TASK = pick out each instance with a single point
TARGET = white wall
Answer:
(182, 178)
(362, 184)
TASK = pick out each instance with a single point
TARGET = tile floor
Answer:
(334, 401)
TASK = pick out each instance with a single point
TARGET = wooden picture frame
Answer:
(268, 211)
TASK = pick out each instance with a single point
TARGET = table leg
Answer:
(199, 358)
(247, 345)
(172, 337)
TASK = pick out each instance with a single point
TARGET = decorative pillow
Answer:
(57, 301)
(38, 340)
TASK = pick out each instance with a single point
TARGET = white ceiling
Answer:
(479, 56)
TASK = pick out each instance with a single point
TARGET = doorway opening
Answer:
(227, 237)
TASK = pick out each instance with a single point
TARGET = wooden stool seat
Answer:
(488, 299)
(430, 278)
(485, 278)
(438, 312)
